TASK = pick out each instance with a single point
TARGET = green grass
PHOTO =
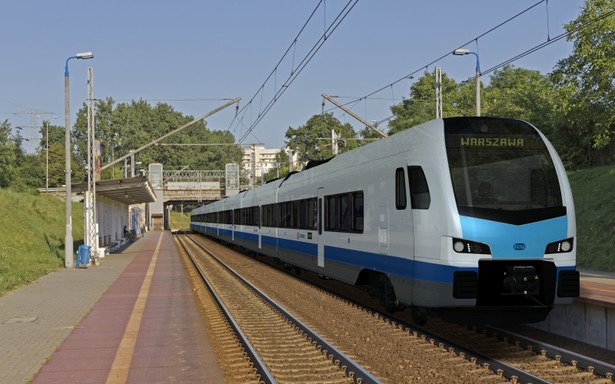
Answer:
(32, 228)
(593, 191)
(180, 221)
(32, 231)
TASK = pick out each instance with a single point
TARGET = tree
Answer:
(523, 94)
(56, 157)
(128, 126)
(312, 141)
(7, 155)
(587, 77)
(282, 169)
(30, 173)
(458, 100)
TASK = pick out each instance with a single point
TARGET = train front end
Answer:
(516, 218)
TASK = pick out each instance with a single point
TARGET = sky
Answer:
(194, 54)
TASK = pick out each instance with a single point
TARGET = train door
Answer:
(276, 231)
(404, 236)
(234, 223)
(383, 229)
(260, 220)
(320, 223)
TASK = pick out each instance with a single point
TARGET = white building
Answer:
(258, 160)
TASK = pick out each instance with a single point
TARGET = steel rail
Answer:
(353, 369)
(510, 372)
(260, 367)
(587, 363)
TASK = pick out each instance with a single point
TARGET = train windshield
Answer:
(501, 170)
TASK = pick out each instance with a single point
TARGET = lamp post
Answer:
(463, 52)
(47, 160)
(68, 241)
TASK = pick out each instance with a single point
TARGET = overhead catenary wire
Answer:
(295, 71)
(549, 40)
(431, 63)
(260, 90)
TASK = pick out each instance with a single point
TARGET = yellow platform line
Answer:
(121, 363)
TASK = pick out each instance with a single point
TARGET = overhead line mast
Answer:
(132, 153)
(340, 106)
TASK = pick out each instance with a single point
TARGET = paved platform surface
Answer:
(133, 319)
(598, 287)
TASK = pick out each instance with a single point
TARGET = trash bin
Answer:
(83, 256)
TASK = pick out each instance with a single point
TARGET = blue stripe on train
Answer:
(398, 266)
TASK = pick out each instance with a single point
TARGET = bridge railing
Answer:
(190, 176)
(207, 181)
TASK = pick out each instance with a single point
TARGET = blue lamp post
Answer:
(68, 241)
(462, 52)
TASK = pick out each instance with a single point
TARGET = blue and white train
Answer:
(471, 217)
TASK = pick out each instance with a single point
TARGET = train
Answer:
(469, 218)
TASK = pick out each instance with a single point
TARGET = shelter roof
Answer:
(132, 190)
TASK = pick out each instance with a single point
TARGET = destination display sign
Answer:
(492, 142)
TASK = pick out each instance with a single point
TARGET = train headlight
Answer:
(467, 246)
(458, 246)
(562, 246)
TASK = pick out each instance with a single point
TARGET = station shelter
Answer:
(122, 206)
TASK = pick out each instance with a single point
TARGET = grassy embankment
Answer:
(180, 221)
(593, 191)
(32, 231)
(32, 228)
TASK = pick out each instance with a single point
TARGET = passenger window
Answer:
(357, 225)
(400, 189)
(419, 190)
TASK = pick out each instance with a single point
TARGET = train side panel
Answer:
(397, 215)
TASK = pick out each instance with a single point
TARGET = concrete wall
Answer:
(588, 321)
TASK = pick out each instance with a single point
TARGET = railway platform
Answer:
(598, 287)
(591, 318)
(133, 319)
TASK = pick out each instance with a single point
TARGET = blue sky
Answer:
(193, 53)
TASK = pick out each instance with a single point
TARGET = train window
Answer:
(248, 216)
(225, 217)
(285, 215)
(258, 216)
(357, 208)
(419, 190)
(268, 215)
(502, 170)
(298, 214)
(311, 214)
(400, 189)
(319, 217)
(296, 221)
(344, 212)
(330, 213)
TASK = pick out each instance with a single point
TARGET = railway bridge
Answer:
(186, 186)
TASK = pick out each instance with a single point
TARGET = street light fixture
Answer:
(463, 52)
(68, 241)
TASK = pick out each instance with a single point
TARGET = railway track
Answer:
(520, 359)
(484, 357)
(604, 371)
(279, 346)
